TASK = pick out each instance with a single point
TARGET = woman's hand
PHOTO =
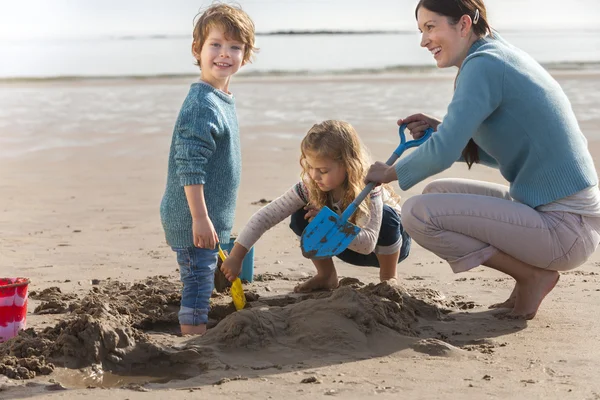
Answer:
(381, 173)
(417, 124)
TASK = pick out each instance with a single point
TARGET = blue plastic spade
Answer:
(328, 234)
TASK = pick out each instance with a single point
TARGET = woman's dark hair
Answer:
(454, 10)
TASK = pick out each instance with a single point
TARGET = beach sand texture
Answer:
(82, 171)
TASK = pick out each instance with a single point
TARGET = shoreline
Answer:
(403, 72)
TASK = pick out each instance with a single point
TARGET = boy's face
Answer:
(219, 58)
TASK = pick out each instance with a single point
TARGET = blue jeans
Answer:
(197, 269)
(390, 232)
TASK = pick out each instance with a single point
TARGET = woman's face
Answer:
(447, 43)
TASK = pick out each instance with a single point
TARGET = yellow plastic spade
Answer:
(237, 291)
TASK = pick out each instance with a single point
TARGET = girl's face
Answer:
(449, 44)
(326, 173)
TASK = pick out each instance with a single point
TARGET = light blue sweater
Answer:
(205, 150)
(520, 119)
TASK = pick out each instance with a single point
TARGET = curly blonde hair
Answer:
(233, 20)
(338, 141)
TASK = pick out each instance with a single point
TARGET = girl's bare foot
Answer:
(508, 303)
(531, 292)
(193, 329)
(318, 282)
(391, 281)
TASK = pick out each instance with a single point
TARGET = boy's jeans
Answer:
(197, 268)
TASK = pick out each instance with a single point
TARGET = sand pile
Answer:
(53, 301)
(107, 328)
(104, 329)
(352, 320)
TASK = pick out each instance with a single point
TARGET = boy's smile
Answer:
(219, 58)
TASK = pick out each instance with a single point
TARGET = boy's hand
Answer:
(231, 268)
(204, 233)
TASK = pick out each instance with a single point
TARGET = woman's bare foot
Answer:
(508, 303)
(193, 329)
(318, 282)
(531, 292)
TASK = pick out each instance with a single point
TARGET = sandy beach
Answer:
(82, 171)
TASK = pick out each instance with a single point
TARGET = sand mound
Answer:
(53, 301)
(104, 330)
(107, 328)
(343, 321)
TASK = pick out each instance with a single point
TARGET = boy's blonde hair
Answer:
(338, 141)
(233, 20)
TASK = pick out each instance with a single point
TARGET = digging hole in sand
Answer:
(123, 333)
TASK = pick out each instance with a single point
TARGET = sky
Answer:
(82, 18)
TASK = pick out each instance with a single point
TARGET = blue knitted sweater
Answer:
(520, 119)
(205, 150)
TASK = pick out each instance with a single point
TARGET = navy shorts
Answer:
(390, 232)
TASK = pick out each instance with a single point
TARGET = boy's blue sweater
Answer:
(205, 150)
(520, 119)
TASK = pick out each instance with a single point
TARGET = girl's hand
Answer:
(418, 123)
(311, 212)
(381, 173)
(231, 267)
(204, 232)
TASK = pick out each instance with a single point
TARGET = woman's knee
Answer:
(410, 221)
(439, 186)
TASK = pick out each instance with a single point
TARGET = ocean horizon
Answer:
(281, 53)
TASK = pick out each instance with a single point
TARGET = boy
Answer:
(198, 207)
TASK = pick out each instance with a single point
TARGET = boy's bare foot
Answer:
(318, 282)
(193, 329)
(531, 292)
(508, 303)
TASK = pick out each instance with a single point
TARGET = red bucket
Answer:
(13, 306)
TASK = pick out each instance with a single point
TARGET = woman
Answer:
(509, 113)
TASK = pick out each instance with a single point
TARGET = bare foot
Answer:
(508, 303)
(318, 282)
(507, 314)
(391, 281)
(531, 292)
(193, 329)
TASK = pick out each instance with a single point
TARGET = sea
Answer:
(165, 55)
(57, 96)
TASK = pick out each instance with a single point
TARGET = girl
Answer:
(334, 165)
(509, 113)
